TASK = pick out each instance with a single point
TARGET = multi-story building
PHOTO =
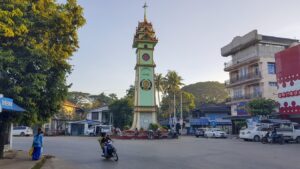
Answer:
(252, 70)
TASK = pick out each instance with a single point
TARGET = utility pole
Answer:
(174, 111)
(181, 117)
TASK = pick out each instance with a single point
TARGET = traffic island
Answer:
(141, 135)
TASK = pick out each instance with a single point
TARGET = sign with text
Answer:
(241, 109)
(6, 103)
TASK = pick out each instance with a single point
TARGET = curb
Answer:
(41, 163)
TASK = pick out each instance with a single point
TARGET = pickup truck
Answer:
(290, 132)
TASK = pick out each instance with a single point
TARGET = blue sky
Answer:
(190, 33)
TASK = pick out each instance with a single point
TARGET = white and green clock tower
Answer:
(145, 109)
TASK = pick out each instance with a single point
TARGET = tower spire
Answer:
(145, 14)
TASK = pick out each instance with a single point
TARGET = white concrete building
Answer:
(252, 71)
(100, 114)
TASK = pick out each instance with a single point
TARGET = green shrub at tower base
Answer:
(153, 126)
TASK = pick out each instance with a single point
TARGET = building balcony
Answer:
(231, 65)
(235, 81)
(245, 97)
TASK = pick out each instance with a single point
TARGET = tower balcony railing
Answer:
(245, 78)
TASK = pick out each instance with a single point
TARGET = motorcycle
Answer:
(154, 134)
(111, 151)
(172, 134)
(278, 138)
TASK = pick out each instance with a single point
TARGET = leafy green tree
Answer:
(122, 112)
(37, 38)
(188, 104)
(130, 92)
(113, 96)
(261, 107)
(81, 100)
(102, 99)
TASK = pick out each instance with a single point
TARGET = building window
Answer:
(243, 72)
(273, 84)
(256, 91)
(237, 93)
(271, 68)
(95, 116)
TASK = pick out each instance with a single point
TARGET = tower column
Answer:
(145, 109)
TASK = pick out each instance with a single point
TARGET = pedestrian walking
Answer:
(37, 145)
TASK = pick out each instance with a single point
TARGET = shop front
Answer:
(8, 110)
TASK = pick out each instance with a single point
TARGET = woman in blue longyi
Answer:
(37, 145)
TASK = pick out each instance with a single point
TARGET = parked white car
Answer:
(253, 133)
(22, 131)
(90, 131)
(215, 132)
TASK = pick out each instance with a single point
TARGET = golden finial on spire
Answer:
(145, 7)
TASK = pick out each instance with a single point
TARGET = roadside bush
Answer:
(126, 127)
(153, 126)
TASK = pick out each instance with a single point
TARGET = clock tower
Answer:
(145, 109)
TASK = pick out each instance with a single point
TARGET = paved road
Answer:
(184, 153)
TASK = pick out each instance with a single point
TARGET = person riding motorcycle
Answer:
(103, 140)
(274, 135)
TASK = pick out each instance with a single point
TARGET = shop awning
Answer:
(200, 121)
(237, 117)
(222, 122)
(7, 104)
(89, 122)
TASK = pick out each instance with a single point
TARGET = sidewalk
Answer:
(21, 160)
(17, 160)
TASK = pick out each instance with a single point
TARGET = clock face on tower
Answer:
(146, 84)
(146, 57)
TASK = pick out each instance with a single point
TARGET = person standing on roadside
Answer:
(37, 145)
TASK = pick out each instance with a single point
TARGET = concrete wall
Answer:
(269, 92)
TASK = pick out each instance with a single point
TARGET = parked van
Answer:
(290, 131)
(96, 130)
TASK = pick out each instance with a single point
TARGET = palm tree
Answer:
(159, 81)
(172, 85)
(173, 82)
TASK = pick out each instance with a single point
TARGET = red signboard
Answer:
(288, 79)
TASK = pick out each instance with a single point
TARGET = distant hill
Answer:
(207, 92)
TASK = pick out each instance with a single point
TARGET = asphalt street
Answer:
(183, 153)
